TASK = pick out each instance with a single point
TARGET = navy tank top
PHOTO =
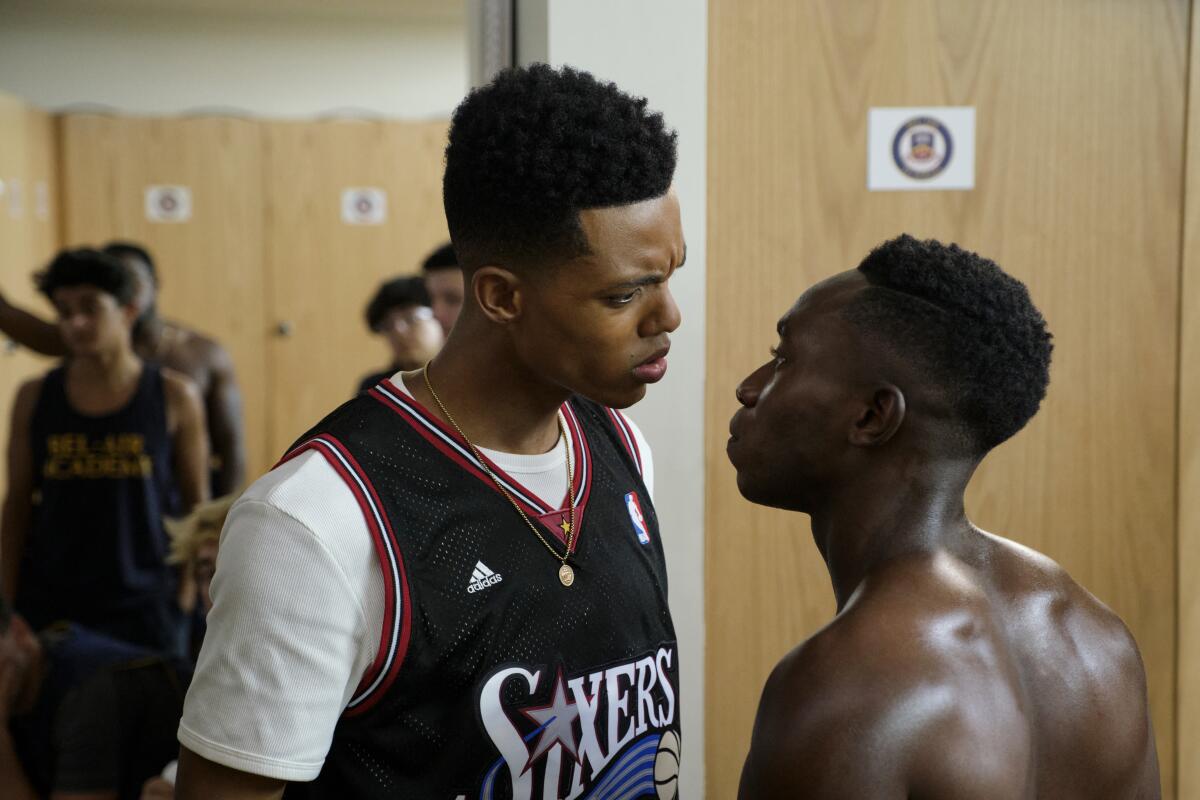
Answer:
(493, 680)
(96, 551)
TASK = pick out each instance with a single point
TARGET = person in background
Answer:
(400, 313)
(444, 281)
(170, 344)
(82, 715)
(194, 543)
(100, 450)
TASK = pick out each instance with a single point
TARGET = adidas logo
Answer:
(482, 578)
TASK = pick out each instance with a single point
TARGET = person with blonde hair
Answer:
(194, 542)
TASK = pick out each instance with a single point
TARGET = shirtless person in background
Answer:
(959, 664)
(174, 346)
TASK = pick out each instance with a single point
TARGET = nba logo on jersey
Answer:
(635, 516)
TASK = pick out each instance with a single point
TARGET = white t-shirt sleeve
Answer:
(296, 621)
(647, 457)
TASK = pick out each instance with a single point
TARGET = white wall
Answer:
(659, 50)
(261, 63)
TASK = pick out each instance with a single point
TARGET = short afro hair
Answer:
(396, 293)
(87, 267)
(442, 258)
(134, 251)
(970, 326)
(536, 146)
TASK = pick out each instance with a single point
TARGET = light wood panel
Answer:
(1188, 679)
(210, 267)
(28, 233)
(1080, 141)
(323, 271)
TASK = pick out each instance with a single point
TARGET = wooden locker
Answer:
(28, 235)
(210, 266)
(1080, 126)
(323, 270)
(1188, 679)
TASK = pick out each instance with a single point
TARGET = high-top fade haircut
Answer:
(87, 267)
(536, 146)
(968, 326)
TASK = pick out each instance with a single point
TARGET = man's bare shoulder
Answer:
(194, 342)
(179, 388)
(1083, 673)
(26, 400)
(912, 675)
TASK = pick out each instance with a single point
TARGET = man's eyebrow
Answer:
(781, 327)
(647, 280)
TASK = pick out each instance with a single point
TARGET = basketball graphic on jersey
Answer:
(666, 767)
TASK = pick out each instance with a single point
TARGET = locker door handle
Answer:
(284, 329)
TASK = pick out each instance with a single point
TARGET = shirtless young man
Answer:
(960, 664)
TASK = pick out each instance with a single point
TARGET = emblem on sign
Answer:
(168, 203)
(922, 148)
(364, 205)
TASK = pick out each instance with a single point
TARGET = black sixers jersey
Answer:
(493, 680)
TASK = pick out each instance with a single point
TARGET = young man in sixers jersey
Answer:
(453, 586)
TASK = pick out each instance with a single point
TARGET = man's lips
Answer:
(653, 368)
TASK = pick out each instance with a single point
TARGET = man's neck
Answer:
(495, 399)
(149, 333)
(889, 515)
(106, 370)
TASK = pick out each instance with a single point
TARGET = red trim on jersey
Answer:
(370, 506)
(420, 419)
(626, 430)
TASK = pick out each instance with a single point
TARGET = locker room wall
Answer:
(28, 234)
(1188, 679)
(1080, 137)
(210, 267)
(266, 243)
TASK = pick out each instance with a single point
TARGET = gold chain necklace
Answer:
(565, 573)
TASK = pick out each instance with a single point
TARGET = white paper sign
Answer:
(41, 200)
(168, 203)
(364, 205)
(914, 149)
(16, 199)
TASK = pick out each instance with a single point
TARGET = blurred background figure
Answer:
(100, 450)
(168, 343)
(444, 282)
(83, 715)
(400, 312)
(194, 543)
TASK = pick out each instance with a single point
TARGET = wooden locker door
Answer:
(1080, 123)
(28, 235)
(1189, 453)
(210, 266)
(322, 270)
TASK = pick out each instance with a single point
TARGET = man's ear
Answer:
(130, 312)
(880, 418)
(498, 293)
